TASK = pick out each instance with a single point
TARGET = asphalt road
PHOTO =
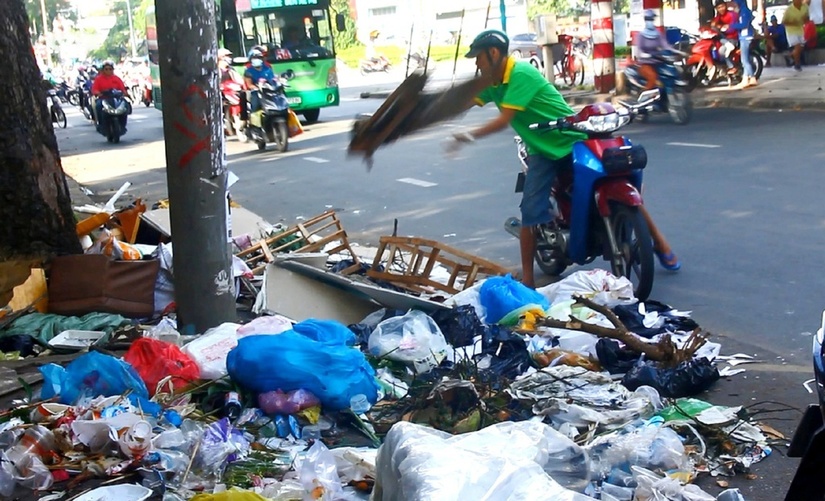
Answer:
(735, 192)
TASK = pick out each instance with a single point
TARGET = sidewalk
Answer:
(779, 88)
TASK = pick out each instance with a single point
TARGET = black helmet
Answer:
(720, 3)
(488, 39)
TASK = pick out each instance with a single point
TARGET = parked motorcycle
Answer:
(112, 122)
(270, 123)
(231, 99)
(56, 112)
(675, 98)
(808, 440)
(141, 92)
(599, 214)
(375, 65)
(707, 67)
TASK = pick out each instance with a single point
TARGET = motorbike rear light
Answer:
(332, 78)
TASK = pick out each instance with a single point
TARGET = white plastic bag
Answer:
(210, 350)
(417, 463)
(267, 324)
(599, 285)
(414, 339)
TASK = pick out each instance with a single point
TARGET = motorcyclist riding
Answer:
(651, 43)
(225, 67)
(256, 72)
(723, 21)
(107, 81)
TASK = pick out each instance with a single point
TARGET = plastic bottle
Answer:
(232, 406)
(359, 404)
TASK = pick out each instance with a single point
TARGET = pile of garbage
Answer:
(573, 391)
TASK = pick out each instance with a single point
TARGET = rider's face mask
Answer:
(257, 63)
(650, 25)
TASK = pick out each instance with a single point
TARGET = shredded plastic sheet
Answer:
(507, 461)
(583, 398)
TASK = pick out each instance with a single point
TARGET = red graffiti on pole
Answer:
(201, 142)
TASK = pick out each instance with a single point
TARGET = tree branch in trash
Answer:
(665, 351)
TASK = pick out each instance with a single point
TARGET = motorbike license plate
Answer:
(294, 100)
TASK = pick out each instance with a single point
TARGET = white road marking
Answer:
(695, 145)
(317, 160)
(416, 182)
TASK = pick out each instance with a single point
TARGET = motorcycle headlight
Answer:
(108, 108)
(602, 123)
(122, 108)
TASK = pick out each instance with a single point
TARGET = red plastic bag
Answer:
(154, 360)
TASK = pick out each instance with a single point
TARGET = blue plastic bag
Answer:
(91, 375)
(502, 295)
(326, 331)
(331, 371)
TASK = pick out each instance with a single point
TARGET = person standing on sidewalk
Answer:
(794, 19)
(523, 96)
(744, 27)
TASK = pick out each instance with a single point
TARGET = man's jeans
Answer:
(744, 51)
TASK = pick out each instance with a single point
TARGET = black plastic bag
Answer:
(630, 317)
(613, 358)
(460, 325)
(685, 380)
(508, 351)
(22, 343)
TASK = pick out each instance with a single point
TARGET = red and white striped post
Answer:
(604, 61)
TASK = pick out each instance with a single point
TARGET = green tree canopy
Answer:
(570, 8)
(53, 7)
(344, 39)
(117, 42)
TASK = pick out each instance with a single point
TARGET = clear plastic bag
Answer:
(413, 339)
(319, 475)
(420, 463)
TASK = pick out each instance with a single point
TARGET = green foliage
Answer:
(622, 51)
(352, 56)
(344, 39)
(820, 36)
(117, 43)
(567, 8)
(53, 7)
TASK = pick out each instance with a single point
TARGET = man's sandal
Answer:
(668, 261)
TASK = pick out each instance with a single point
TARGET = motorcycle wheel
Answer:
(114, 130)
(281, 136)
(693, 76)
(387, 68)
(87, 112)
(364, 71)
(679, 107)
(635, 260)
(549, 265)
(59, 117)
(74, 98)
(756, 64)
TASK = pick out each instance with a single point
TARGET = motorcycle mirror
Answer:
(340, 22)
(240, 60)
(288, 74)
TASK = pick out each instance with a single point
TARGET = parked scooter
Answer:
(56, 112)
(112, 121)
(375, 65)
(808, 440)
(269, 124)
(231, 98)
(598, 215)
(675, 99)
(706, 66)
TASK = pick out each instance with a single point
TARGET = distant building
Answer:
(395, 19)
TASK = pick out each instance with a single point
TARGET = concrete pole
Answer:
(604, 54)
(131, 28)
(195, 163)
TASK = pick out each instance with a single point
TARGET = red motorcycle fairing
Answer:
(614, 189)
(597, 146)
(701, 52)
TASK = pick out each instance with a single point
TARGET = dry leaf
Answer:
(752, 476)
(770, 430)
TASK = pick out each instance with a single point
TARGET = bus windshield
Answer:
(296, 34)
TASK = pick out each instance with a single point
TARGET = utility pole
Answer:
(131, 28)
(195, 163)
(601, 28)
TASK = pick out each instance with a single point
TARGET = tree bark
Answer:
(36, 219)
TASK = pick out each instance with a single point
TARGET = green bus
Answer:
(244, 24)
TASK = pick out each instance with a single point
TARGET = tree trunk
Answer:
(36, 219)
